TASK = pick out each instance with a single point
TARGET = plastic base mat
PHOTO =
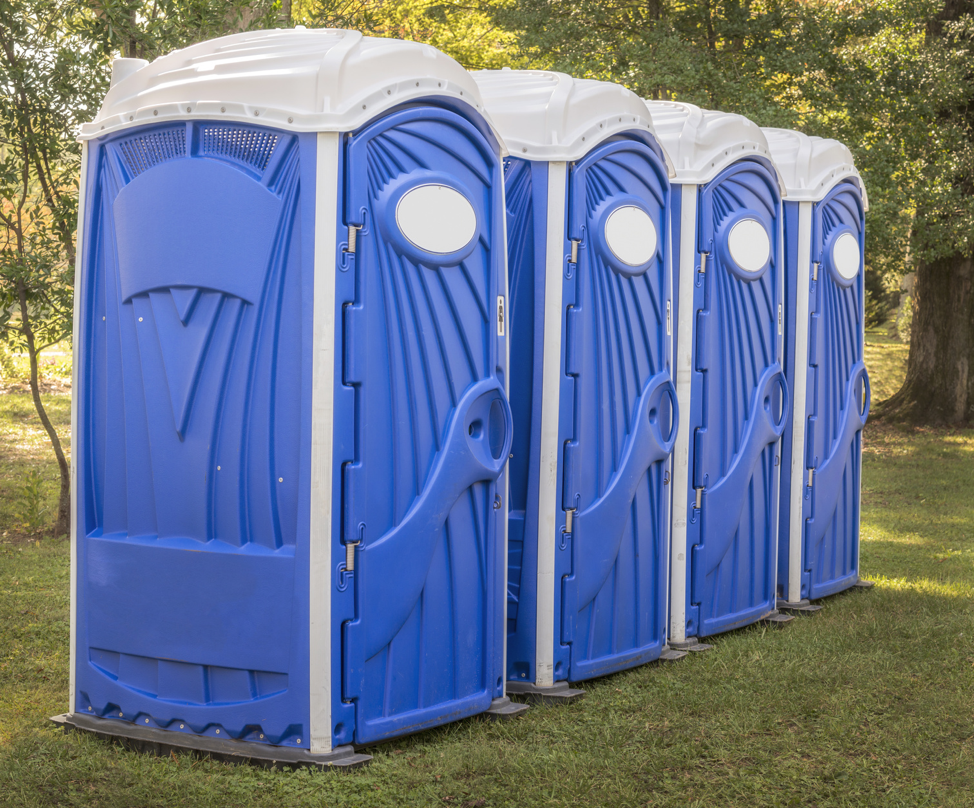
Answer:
(802, 606)
(691, 644)
(776, 618)
(558, 693)
(504, 708)
(671, 654)
(863, 584)
(164, 742)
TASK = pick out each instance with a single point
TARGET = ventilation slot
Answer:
(145, 151)
(247, 146)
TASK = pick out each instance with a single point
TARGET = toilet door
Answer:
(423, 348)
(838, 398)
(741, 393)
(624, 403)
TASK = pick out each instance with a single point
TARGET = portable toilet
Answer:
(592, 400)
(824, 219)
(726, 238)
(291, 422)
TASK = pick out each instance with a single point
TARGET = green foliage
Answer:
(464, 31)
(31, 509)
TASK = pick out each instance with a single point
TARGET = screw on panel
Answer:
(119, 715)
(223, 109)
(218, 732)
(181, 726)
(147, 721)
(140, 319)
(290, 120)
(218, 468)
(189, 109)
(155, 112)
(89, 709)
(131, 117)
(256, 112)
(280, 479)
(262, 735)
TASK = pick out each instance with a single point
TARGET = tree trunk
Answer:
(939, 386)
(63, 526)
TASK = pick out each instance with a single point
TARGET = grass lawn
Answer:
(868, 702)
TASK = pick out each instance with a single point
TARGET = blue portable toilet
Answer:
(824, 218)
(291, 422)
(726, 221)
(593, 404)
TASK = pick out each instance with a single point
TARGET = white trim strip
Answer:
(681, 451)
(504, 290)
(548, 500)
(76, 360)
(798, 477)
(322, 439)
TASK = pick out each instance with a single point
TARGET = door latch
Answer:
(350, 556)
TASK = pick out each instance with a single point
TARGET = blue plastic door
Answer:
(624, 423)
(193, 497)
(838, 397)
(424, 350)
(739, 396)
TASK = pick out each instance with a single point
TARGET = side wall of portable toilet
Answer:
(290, 419)
(726, 220)
(818, 550)
(587, 193)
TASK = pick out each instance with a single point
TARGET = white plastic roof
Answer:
(322, 80)
(702, 143)
(811, 166)
(543, 115)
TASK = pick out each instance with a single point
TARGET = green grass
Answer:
(870, 702)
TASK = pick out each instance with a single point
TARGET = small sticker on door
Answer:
(500, 315)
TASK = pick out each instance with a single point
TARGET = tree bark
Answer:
(939, 386)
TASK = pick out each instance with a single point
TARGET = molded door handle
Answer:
(724, 502)
(828, 477)
(394, 567)
(598, 529)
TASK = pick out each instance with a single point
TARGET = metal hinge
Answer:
(569, 518)
(350, 556)
(815, 271)
(669, 326)
(574, 256)
(352, 237)
(811, 477)
(703, 262)
(500, 316)
(781, 321)
(698, 503)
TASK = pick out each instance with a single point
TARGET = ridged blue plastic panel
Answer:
(738, 405)
(526, 189)
(613, 608)
(837, 402)
(195, 423)
(432, 431)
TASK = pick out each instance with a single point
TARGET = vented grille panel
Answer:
(247, 146)
(145, 151)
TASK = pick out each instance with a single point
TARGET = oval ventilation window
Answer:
(436, 218)
(749, 245)
(631, 235)
(845, 256)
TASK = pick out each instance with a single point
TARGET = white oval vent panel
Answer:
(631, 235)
(749, 245)
(436, 218)
(845, 256)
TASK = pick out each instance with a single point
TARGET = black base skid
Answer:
(558, 693)
(164, 742)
